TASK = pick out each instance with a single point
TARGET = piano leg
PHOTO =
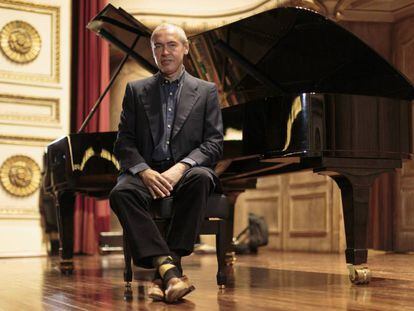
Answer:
(355, 186)
(65, 206)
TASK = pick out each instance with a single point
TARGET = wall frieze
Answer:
(19, 213)
(26, 117)
(25, 140)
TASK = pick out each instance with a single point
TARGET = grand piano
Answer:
(297, 91)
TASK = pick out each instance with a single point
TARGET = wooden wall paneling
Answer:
(308, 213)
(404, 214)
(303, 211)
(267, 201)
(338, 242)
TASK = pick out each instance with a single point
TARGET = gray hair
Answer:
(177, 29)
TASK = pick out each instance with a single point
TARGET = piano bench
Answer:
(218, 221)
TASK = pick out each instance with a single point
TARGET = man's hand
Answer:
(158, 185)
(174, 173)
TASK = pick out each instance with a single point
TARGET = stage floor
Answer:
(268, 281)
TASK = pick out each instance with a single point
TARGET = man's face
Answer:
(168, 51)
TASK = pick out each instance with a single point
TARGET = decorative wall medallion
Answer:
(20, 41)
(45, 70)
(20, 175)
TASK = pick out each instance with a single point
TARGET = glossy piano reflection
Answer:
(298, 92)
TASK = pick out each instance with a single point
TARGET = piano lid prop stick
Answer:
(102, 96)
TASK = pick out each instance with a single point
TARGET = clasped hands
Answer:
(160, 185)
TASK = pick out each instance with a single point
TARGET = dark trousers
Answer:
(131, 201)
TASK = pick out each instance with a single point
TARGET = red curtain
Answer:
(90, 76)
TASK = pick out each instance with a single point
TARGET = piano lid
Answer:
(122, 30)
(294, 50)
(282, 51)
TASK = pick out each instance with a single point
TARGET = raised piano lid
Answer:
(291, 50)
(299, 51)
(122, 30)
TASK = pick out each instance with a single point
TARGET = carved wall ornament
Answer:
(20, 175)
(20, 42)
(45, 19)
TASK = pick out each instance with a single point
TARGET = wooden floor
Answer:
(269, 281)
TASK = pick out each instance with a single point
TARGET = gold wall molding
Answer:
(33, 78)
(30, 117)
(20, 175)
(19, 213)
(25, 140)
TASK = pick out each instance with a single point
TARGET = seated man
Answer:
(170, 137)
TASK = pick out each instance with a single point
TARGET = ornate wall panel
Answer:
(20, 230)
(34, 110)
(29, 36)
(26, 110)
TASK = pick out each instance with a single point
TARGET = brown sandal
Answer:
(180, 288)
(155, 291)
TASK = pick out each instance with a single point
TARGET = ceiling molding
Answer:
(206, 16)
(371, 10)
(404, 12)
(198, 21)
(160, 12)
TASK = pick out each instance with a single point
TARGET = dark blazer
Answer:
(197, 131)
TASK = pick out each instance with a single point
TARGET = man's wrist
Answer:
(138, 168)
(140, 173)
(183, 166)
(190, 162)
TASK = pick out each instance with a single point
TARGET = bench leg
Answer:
(221, 241)
(127, 270)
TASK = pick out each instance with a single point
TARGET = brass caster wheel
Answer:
(359, 275)
(222, 287)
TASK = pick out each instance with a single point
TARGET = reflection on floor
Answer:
(268, 281)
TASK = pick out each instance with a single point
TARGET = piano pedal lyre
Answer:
(359, 275)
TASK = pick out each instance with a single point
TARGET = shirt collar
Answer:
(177, 80)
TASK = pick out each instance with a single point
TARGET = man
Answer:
(170, 137)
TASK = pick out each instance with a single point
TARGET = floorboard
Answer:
(268, 281)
